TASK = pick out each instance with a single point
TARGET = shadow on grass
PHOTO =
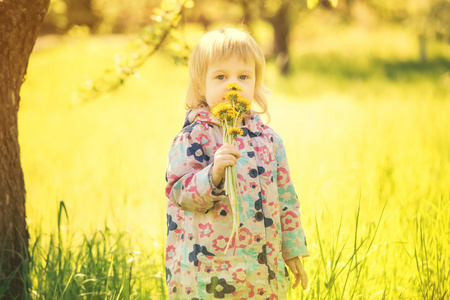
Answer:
(412, 69)
(344, 68)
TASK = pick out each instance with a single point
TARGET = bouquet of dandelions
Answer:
(228, 113)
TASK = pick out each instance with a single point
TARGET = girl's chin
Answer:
(217, 102)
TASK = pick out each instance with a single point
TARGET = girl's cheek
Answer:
(249, 96)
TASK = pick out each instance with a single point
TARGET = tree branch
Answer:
(138, 51)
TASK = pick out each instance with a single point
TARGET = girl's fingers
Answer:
(304, 279)
(304, 283)
(226, 157)
(302, 274)
(237, 154)
(298, 265)
(293, 266)
(229, 149)
(294, 269)
(227, 161)
(296, 281)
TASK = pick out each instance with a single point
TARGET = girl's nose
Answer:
(230, 80)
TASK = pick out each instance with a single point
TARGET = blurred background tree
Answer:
(100, 16)
(428, 19)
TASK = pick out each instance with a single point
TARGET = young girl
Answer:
(199, 214)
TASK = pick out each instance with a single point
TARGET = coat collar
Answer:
(202, 114)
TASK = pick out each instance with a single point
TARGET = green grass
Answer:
(366, 130)
(102, 264)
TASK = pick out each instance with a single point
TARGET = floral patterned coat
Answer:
(199, 216)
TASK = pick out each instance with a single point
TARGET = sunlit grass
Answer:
(367, 138)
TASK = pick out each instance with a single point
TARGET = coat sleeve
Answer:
(293, 236)
(189, 185)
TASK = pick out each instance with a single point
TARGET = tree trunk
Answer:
(20, 21)
(422, 48)
(247, 13)
(281, 24)
(80, 12)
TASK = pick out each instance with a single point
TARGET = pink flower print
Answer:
(172, 287)
(220, 243)
(239, 143)
(273, 297)
(253, 185)
(190, 236)
(260, 124)
(268, 176)
(250, 286)
(275, 234)
(203, 139)
(257, 238)
(180, 215)
(222, 211)
(282, 177)
(245, 237)
(170, 252)
(208, 269)
(242, 183)
(188, 290)
(192, 189)
(206, 230)
(270, 249)
(261, 291)
(265, 154)
(239, 276)
(223, 266)
(180, 234)
(289, 221)
(172, 178)
(177, 268)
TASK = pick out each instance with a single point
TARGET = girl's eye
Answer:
(220, 77)
(243, 77)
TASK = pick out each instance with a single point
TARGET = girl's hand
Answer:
(226, 155)
(296, 267)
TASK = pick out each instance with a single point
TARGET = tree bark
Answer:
(20, 21)
(281, 24)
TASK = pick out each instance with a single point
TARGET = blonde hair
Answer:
(221, 44)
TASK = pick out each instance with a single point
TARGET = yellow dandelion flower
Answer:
(234, 131)
(221, 110)
(234, 87)
(232, 96)
(231, 114)
(242, 104)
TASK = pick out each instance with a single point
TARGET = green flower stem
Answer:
(231, 191)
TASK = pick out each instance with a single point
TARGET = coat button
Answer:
(259, 216)
(262, 258)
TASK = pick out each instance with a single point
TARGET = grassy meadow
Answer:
(367, 133)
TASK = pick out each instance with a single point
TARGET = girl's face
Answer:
(232, 70)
